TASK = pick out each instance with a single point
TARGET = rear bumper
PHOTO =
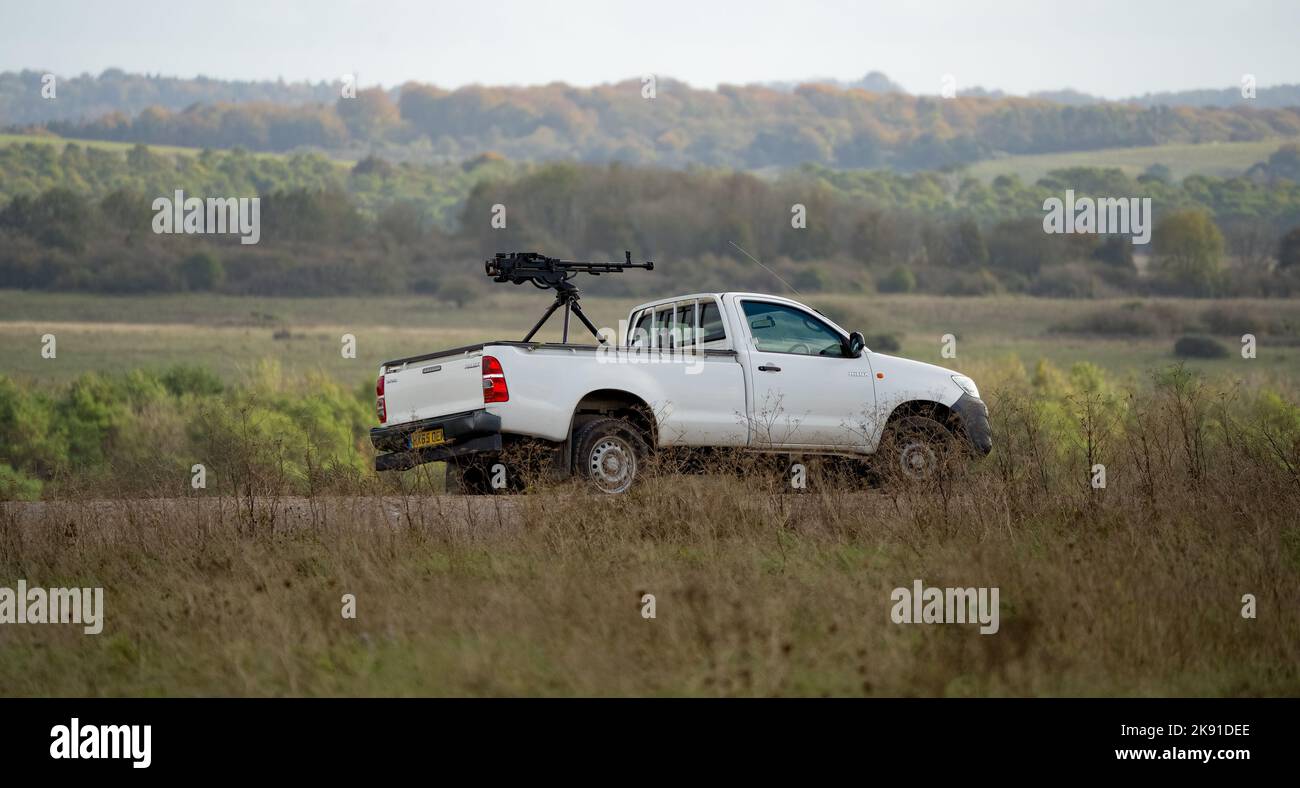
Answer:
(471, 432)
(973, 415)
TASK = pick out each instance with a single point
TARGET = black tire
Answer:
(470, 478)
(609, 453)
(917, 449)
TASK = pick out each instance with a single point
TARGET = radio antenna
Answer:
(765, 268)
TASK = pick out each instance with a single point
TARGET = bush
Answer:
(1230, 320)
(1200, 347)
(190, 379)
(971, 283)
(899, 280)
(1064, 281)
(459, 290)
(810, 280)
(15, 486)
(202, 271)
(1134, 319)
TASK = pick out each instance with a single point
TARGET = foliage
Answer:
(733, 126)
(1199, 347)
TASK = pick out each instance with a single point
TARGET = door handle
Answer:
(769, 368)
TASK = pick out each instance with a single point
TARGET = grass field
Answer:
(1221, 159)
(1135, 588)
(232, 334)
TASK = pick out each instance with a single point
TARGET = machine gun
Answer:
(551, 273)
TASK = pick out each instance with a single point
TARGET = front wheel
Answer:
(918, 449)
(609, 453)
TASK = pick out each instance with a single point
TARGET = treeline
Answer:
(433, 193)
(87, 96)
(325, 230)
(738, 127)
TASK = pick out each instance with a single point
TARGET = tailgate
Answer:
(422, 389)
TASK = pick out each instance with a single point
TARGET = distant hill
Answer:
(865, 124)
(86, 97)
(875, 81)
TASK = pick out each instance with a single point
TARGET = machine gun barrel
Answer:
(519, 267)
(552, 273)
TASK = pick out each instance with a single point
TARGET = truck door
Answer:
(807, 393)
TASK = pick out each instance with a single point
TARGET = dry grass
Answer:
(1131, 590)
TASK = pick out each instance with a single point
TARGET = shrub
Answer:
(899, 280)
(1132, 319)
(1231, 320)
(972, 283)
(191, 379)
(16, 486)
(202, 271)
(459, 290)
(1200, 347)
(1064, 281)
(810, 280)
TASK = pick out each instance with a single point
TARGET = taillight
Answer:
(380, 410)
(494, 381)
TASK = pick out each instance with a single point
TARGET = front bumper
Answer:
(472, 432)
(973, 416)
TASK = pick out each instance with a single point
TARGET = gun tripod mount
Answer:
(551, 273)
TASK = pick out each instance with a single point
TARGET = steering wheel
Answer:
(807, 351)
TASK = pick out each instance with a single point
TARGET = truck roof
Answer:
(692, 296)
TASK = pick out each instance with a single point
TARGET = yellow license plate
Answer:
(423, 440)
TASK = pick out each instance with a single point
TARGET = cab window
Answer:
(712, 332)
(639, 336)
(778, 328)
(662, 326)
(684, 329)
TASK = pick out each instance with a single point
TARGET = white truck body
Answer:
(712, 369)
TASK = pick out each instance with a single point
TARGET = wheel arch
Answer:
(616, 403)
(927, 408)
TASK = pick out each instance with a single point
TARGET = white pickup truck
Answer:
(742, 370)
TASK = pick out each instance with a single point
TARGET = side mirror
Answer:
(856, 344)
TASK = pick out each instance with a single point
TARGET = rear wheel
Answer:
(469, 478)
(609, 453)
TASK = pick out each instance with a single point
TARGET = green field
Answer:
(1220, 159)
(232, 334)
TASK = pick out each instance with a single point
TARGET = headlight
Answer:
(967, 385)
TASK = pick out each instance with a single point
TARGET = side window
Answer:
(778, 328)
(663, 323)
(639, 336)
(711, 327)
(684, 330)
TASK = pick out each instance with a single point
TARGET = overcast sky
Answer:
(1114, 49)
